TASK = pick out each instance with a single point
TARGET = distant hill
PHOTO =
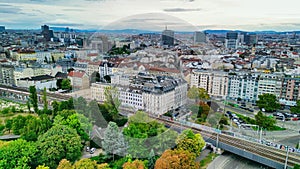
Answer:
(137, 31)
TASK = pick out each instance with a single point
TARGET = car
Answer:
(92, 150)
(87, 149)
(294, 115)
(235, 120)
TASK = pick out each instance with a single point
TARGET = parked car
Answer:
(92, 150)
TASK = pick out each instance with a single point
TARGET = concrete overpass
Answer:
(242, 146)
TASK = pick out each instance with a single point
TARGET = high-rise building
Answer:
(2, 28)
(250, 39)
(199, 37)
(231, 41)
(47, 33)
(168, 37)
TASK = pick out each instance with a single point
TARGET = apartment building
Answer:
(153, 94)
(214, 82)
(79, 80)
(7, 75)
(270, 83)
(243, 85)
(290, 90)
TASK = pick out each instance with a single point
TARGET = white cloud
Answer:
(237, 14)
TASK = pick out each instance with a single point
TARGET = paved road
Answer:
(231, 161)
(291, 141)
(88, 155)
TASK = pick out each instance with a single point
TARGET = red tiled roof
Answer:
(92, 54)
(76, 74)
(170, 70)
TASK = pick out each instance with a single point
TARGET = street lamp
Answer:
(286, 159)
(217, 143)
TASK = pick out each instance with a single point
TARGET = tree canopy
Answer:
(190, 141)
(33, 98)
(268, 102)
(264, 121)
(144, 134)
(296, 109)
(112, 101)
(18, 154)
(178, 159)
(197, 93)
(66, 84)
(74, 120)
(136, 164)
(58, 143)
(113, 142)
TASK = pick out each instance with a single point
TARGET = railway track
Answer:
(264, 151)
(40, 93)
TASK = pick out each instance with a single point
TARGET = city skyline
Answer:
(177, 14)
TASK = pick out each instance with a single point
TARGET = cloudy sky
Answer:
(153, 14)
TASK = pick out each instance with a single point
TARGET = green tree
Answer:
(18, 154)
(203, 95)
(297, 166)
(151, 160)
(53, 60)
(113, 141)
(296, 109)
(18, 124)
(76, 121)
(46, 60)
(81, 105)
(8, 124)
(197, 93)
(58, 143)
(96, 115)
(28, 106)
(112, 101)
(193, 93)
(95, 77)
(66, 84)
(268, 102)
(35, 126)
(45, 100)
(58, 83)
(264, 121)
(107, 79)
(55, 106)
(144, 134)
(33, 98)
(191, 142)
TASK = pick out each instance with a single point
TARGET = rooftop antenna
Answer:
(166, 27)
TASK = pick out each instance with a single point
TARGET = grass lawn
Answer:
(207, 160)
